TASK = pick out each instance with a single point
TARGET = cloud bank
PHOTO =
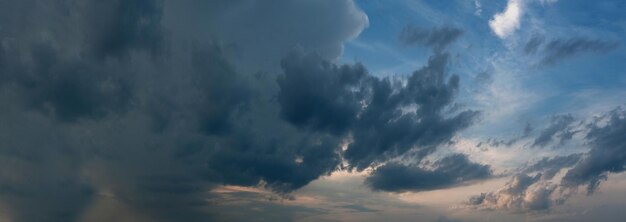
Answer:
(535, 188)
(150, 104)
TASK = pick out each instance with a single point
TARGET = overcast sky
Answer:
(312, 110)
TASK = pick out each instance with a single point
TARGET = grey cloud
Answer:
(384, 118)
(106, 100)
(528, 130)
(450, 171)
(320, 95)
(607, 154)
(604, 136)
(549, 167)
(264, 32)
(559, 126)
(521, 194)
(124, 101)
(559, 49)
(116, 27)
(446, 219)
(358, 208)
(383, 130)
(533, 44)
(438, 37)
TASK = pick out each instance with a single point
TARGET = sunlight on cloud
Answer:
(505, 23)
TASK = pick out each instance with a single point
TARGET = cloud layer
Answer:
(147, 105)
(535, 187)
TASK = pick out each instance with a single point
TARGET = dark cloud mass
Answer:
(397, 119)
(150, 104)
(320, 95)
(384, 117)
(453, 170)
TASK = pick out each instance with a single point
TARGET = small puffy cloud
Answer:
(506, 23)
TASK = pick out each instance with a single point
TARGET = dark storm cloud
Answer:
(150, 104)
(263, 32)
(384, 117)
(113, 101)
(560, 126)
(320, 95)
(438, 37)
(450, 171)
(384, 130)
(607, 154)
(57, 72)
(71, 89)
(113, 28)
(558, 49)
(47, 66)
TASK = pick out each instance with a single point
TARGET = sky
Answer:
(312, 110)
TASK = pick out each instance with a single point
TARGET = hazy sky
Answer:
(312, 110)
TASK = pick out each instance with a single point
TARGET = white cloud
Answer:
(548, 1)
(505, 23)
(479, 8)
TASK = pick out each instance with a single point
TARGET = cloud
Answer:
(533, 44)
(150, 104)
(506, 23)
(549, 167)
(450, 171)
(559, 124)
(438, 38)
(607, 154)
(521, 194)
(559, 49)
(384, 130)
(540, 192)
(117, 101)
(264, 32)
(479, 8)
(384, 117)
(317, 94)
